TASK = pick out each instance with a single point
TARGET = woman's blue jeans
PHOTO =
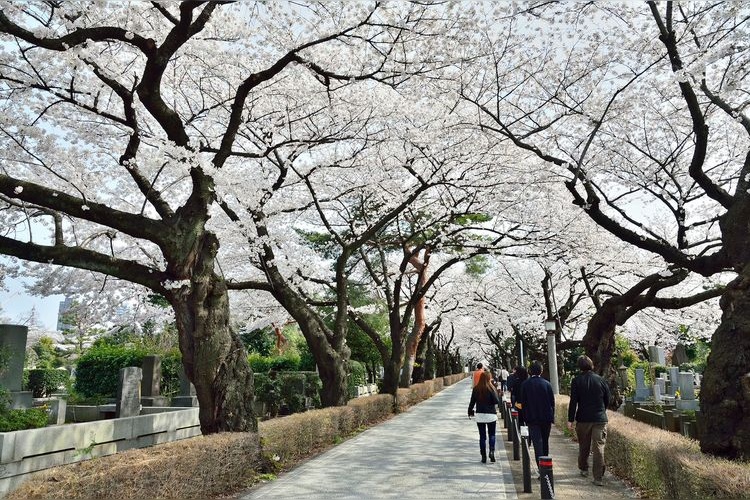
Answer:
(484, 430)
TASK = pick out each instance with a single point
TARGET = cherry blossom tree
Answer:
(642, 110)
(126, 126)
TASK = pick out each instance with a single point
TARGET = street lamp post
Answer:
(551, 326)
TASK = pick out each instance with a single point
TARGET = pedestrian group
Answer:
(533, 396)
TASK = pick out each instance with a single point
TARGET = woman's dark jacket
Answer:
(589, 398)
(484, 405)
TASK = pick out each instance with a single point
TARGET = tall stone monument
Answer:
(687, 399)
(150, 385)
(129, 392)
(656, 355)
(642, 392)
(187, 397)
(13, 350)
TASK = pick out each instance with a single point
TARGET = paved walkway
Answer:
(569, 485)
(431, 452)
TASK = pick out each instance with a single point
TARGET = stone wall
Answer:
(24, 452)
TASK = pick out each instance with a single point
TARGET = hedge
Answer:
(21, 419)
(289, 388)
(42, 382)
(663, 463)
(98, 369)
(218, 464)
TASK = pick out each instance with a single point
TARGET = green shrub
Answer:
(659, 369)
(357, 376)
(171, 365)
(306, 359)
(287, 362)
(292, 392)
(20, 419)
(268, 391)
(98, 368)
(43, 382)
(259, 363)
(699, 367)
(289, 388)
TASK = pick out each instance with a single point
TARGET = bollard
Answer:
(526, 463)
(546, 479)
(516, 436)
(510, 424)
(506, 414)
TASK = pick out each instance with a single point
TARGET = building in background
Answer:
(65, 306)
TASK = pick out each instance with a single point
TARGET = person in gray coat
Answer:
(589, 398)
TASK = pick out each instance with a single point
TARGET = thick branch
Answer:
(81, 258)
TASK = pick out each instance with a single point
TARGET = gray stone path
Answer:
(431, 451)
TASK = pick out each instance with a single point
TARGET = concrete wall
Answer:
(25, 452)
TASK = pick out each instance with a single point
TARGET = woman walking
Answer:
(484, 396)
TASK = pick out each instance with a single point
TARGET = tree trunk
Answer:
(214, 357)
(327, 347)
(724, 401)
(419, 373)
(415, 335)
(332, 363)
(391, 372)
(430, 360)
(599, 345)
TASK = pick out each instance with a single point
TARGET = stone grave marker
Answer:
(661, 381)
(687, 399)
(129, 392)
(679, 355)
(674, 379)
(656, 354)
(150, 385)
(187, 396)
(13, 342)
(657, 393)
(642, 392)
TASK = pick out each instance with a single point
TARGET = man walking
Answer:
(504, 379)
(537, 402)
(589, 398)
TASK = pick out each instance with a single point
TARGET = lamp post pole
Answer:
(551, 326)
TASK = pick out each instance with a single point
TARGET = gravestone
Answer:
(657, 393)
(662, 383)
(150, 385)
(129, 392)
(642, 392)
(56, 411)
(187, 396)
(687, 399)
(679, 355)
(674, 379)
(656, 354)
(13, 343)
